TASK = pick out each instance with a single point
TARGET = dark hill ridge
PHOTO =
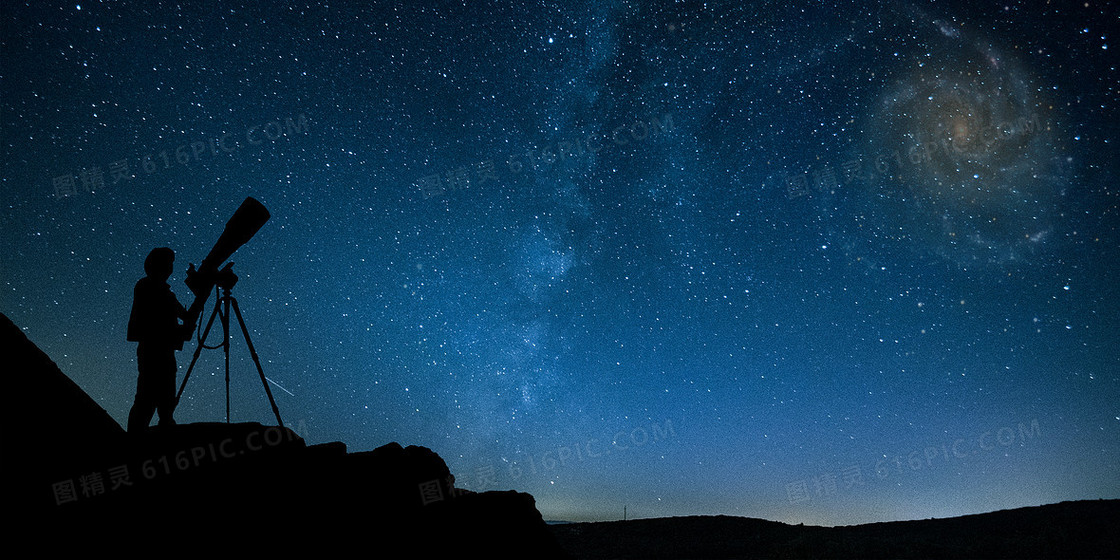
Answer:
(1083, 529)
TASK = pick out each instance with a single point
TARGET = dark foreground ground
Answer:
(1069, 530)
(75, 483)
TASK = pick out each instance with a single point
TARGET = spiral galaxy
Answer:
(966, 154)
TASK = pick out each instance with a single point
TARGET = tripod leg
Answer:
(225, 346)
(256, 360)
(197, 351)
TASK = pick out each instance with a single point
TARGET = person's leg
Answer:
(144, 406)
(165, 391)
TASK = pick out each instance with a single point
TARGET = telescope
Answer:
(240, 228)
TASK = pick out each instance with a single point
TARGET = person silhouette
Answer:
(154, 325)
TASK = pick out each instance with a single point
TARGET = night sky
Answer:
(822, 263)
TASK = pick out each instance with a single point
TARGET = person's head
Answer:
(159, 263)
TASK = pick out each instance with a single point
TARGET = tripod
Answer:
(221, 310)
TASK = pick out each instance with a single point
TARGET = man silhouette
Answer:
(154, 324)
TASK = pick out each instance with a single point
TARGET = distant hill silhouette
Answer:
(1084, 529)
(74, 481)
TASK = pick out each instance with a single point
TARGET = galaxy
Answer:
(830, 264)
(969, 153)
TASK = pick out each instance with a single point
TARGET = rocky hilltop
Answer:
(75, 480)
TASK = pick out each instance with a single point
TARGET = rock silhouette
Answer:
(70, 470)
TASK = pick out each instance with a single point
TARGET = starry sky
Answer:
(823, 263)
